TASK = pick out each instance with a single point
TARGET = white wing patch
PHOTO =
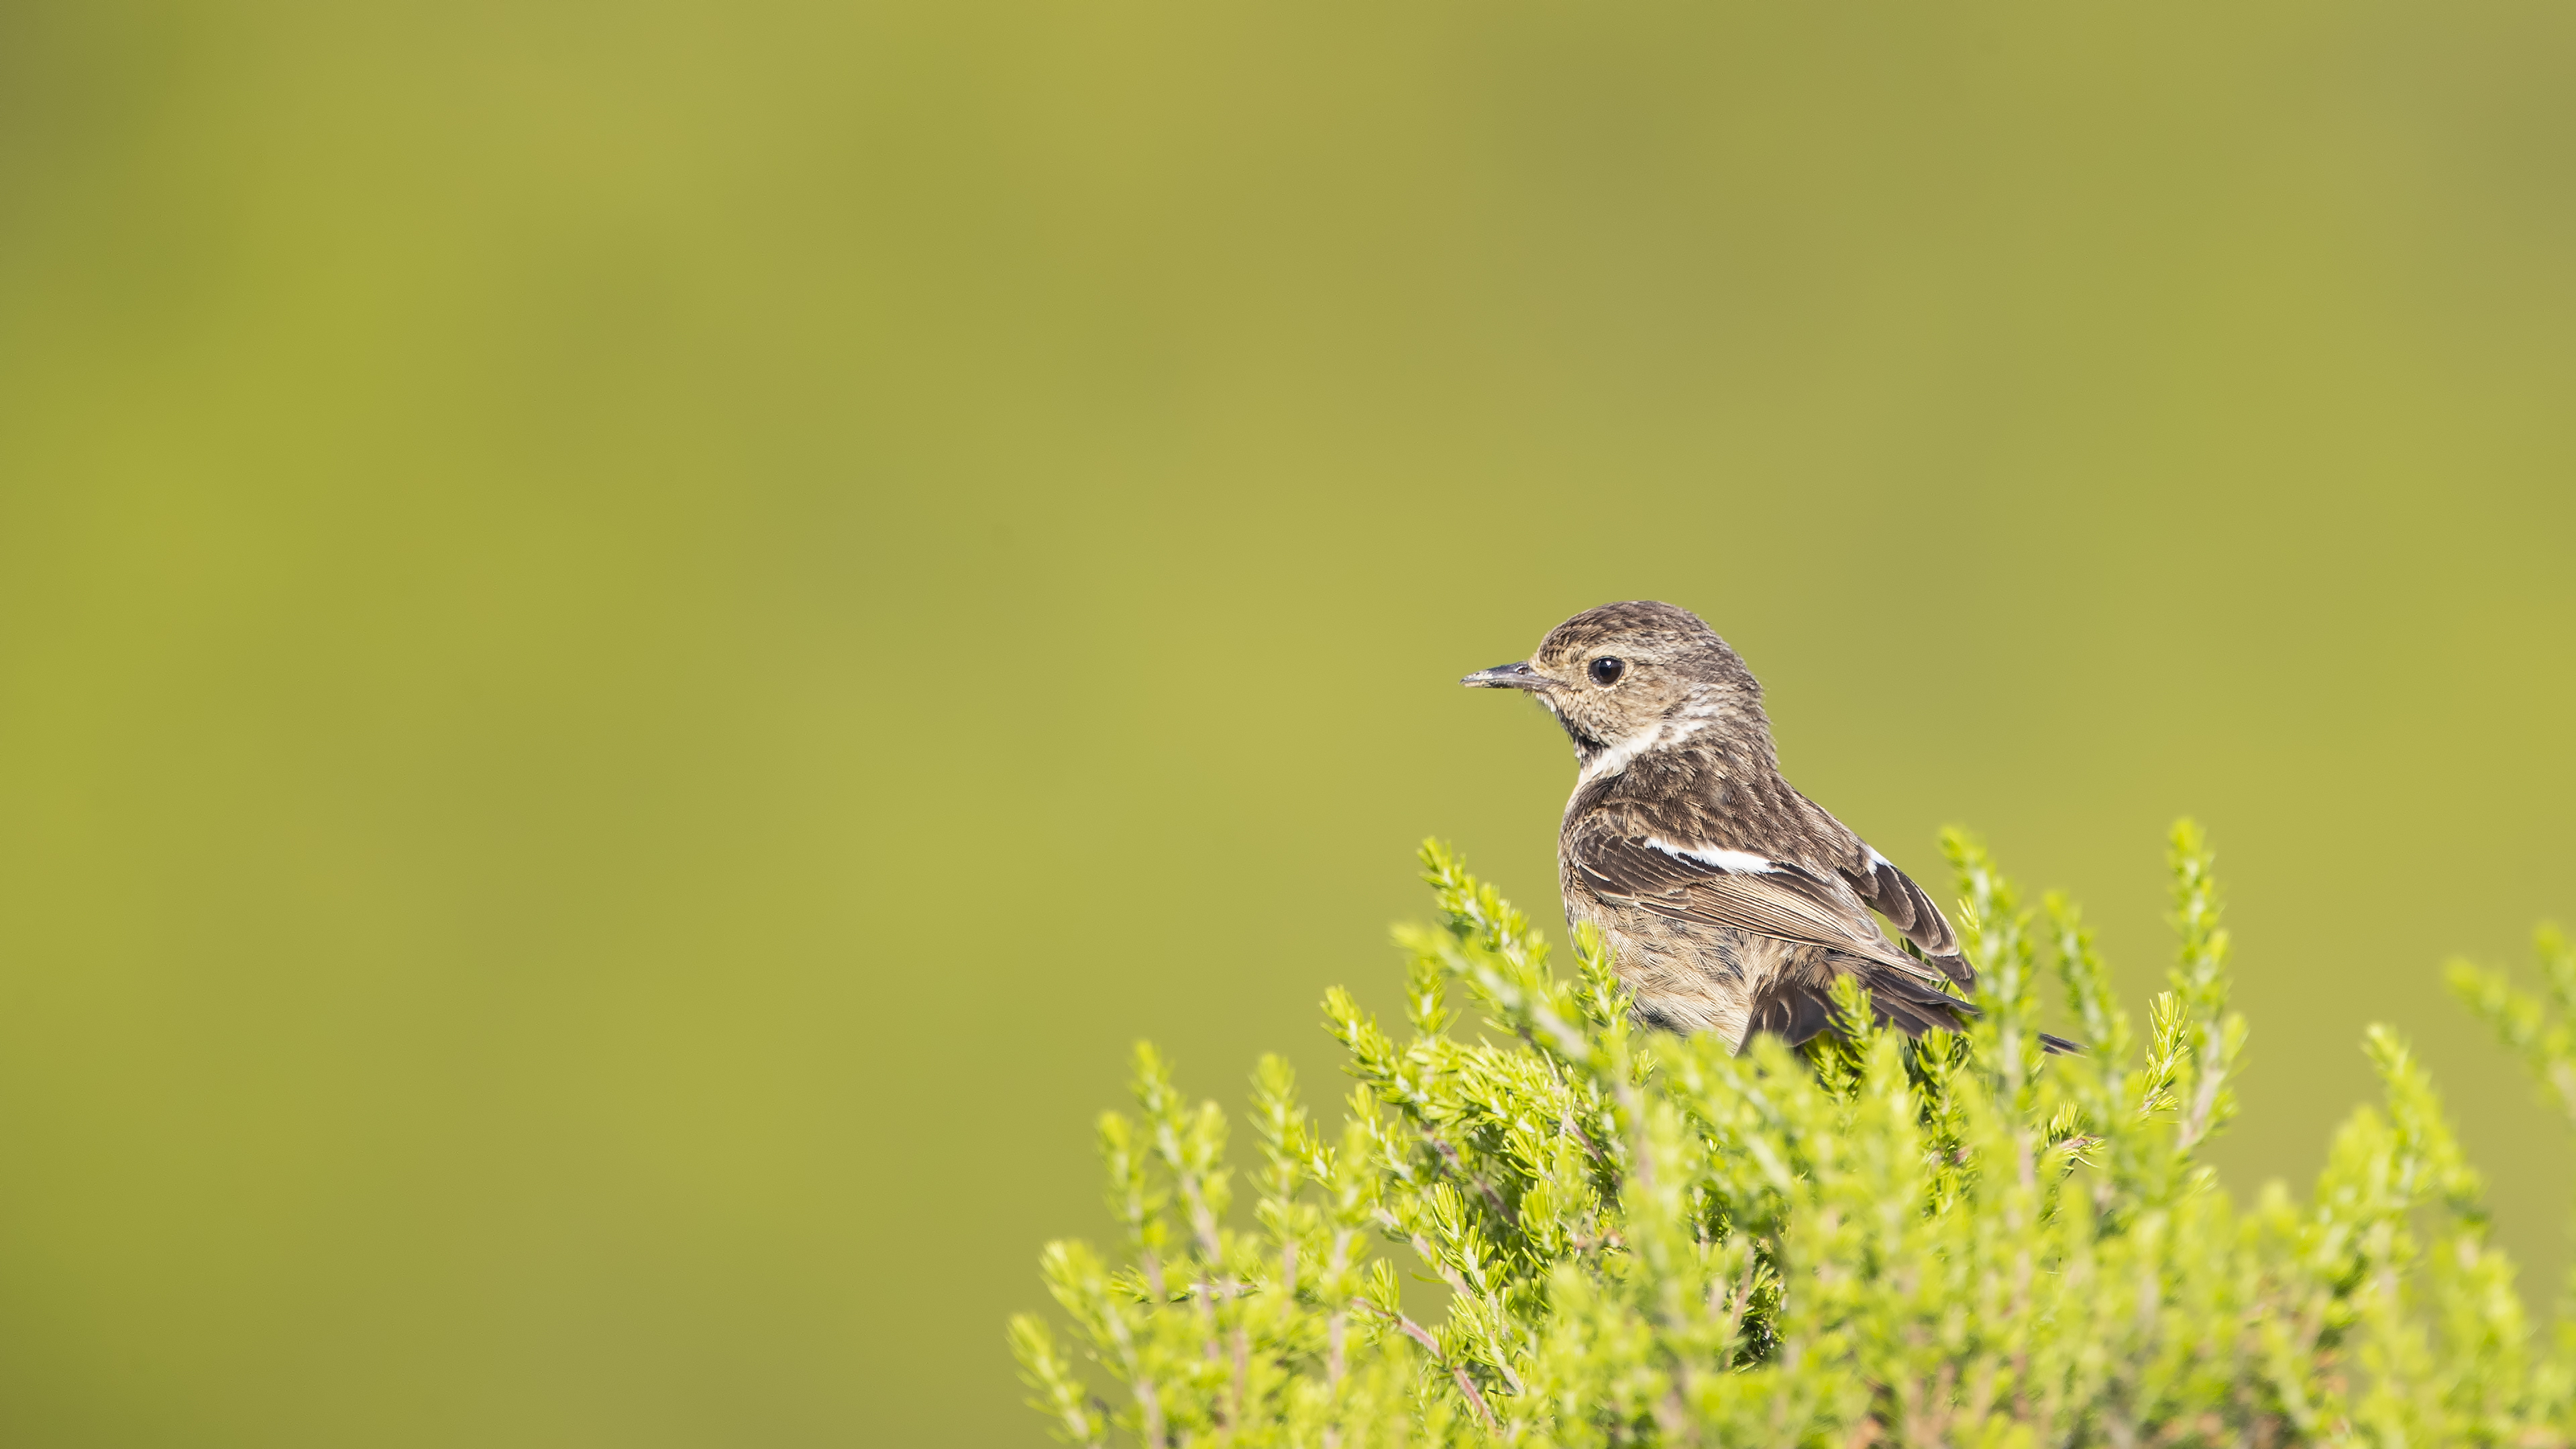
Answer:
(1733, 862)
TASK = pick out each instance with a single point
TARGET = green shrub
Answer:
(1653, 1240)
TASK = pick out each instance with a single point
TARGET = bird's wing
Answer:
(1733, 888)
(1787, 901)
(1893, 894)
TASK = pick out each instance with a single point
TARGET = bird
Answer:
(1729, 900)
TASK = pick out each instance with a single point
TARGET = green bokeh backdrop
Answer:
(636, 640)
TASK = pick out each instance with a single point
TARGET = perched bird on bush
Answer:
(1730, 901)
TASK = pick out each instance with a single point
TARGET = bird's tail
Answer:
(1795, 1008)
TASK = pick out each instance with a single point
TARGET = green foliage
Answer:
(1625, 1237)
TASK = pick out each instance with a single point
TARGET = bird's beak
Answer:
(1507, 676)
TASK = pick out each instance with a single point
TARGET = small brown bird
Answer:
(1730, 901)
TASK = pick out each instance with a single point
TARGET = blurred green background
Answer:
(635, 641)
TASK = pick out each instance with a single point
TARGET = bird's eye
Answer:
(1606, 671)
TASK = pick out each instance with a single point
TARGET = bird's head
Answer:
(1628, 678)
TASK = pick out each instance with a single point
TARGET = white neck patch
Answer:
(1663, 734)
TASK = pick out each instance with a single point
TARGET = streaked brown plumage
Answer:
(1730, 900)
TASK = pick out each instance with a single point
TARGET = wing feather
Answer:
(1893, 894)
(1768, 898)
